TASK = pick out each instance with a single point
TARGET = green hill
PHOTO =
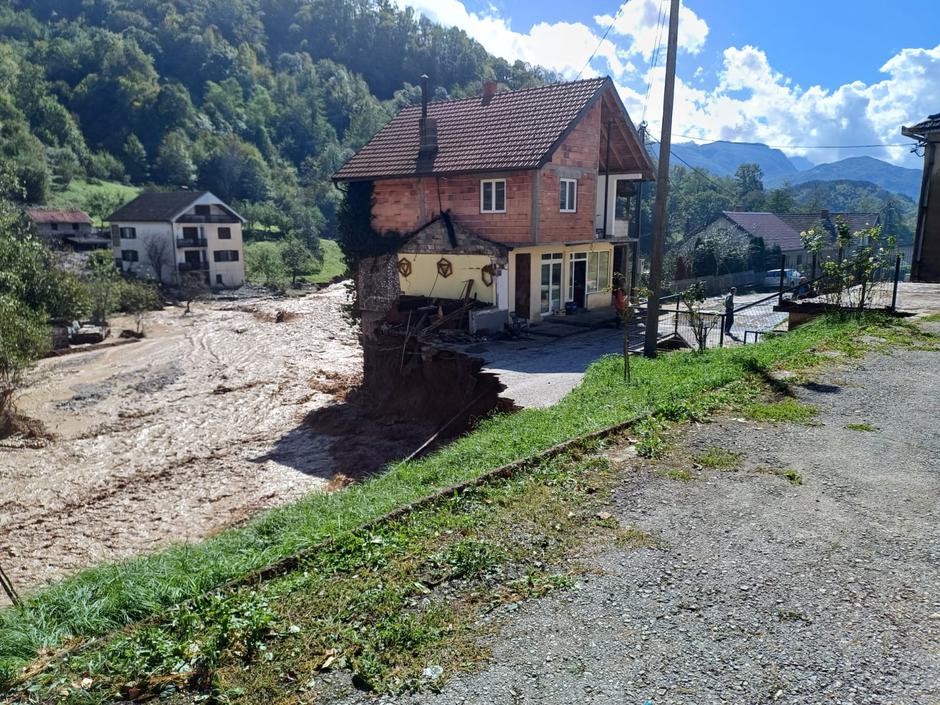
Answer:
(258, 101)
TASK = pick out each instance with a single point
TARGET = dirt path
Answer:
(764, 591)
(176, 437)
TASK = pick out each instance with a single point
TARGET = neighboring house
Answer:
(783, 230)
(65, 227)
(521, 192)
(167, 235)
(925, 263)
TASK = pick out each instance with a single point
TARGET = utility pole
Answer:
(662, 188)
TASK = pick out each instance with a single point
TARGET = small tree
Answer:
(193, 287)
(701, 322)
(104, 284)
(136, 299)
(264, 265)
(23, 338)
(297, 259)
(852, 278)
(159, 253)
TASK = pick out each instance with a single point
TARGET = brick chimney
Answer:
(427, 149)
(489, 89)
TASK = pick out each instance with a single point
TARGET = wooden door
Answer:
(523, 284)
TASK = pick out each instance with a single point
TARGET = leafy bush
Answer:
(264, 264)
(23, 338)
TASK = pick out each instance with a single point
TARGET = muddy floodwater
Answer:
(197, 427)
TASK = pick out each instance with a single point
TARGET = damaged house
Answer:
(521, 200)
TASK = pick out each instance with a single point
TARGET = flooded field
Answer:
(195, 428)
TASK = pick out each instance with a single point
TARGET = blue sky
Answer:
(828, 72)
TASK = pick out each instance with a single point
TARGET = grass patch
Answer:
(104, 598)
(933, 317)
(333, 265)
(719, 459)
(387, 607)
(680, 474)
(81, 193)
(787, 410)
(862, 427)
(793, 477)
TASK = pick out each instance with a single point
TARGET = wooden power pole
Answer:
(662, 188)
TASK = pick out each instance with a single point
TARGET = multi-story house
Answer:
(540, 179)
(925, 264)
(168, 235)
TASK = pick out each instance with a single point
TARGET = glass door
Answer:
(551, 282)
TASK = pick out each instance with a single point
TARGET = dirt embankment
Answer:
(197, 427)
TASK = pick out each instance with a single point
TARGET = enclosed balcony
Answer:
(191, 242)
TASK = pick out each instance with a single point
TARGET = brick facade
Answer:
(405, 204)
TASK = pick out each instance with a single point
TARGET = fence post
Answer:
(783, 271)
(676, 327)
(897, 277)
(721, 330)
(813, 278)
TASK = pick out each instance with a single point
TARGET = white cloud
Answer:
(747, 101)
(639, 20)
(753, 102)
(561, 46)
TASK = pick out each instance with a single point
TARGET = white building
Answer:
(169, 235)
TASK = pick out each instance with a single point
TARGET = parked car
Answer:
(791, 277)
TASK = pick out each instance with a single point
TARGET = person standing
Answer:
(620, 304)
(729, 310)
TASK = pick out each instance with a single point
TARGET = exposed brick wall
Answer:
(398, 205)
(398, 202)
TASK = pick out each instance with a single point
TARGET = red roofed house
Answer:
(61, 227)
(783, 230)
(535, 184)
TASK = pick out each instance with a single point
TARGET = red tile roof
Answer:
(783, 229)
(61, 215)
(511, 130)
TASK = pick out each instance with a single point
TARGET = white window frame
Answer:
(564, 206)
(483, 204)
(601, 280)
(127, 232)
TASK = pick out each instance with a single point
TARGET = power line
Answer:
(654, 55)
(701, 172)
(797, 146)
(597, 48)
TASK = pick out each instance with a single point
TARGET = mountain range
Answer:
(723, 159)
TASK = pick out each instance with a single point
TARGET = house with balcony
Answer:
(523, 197)
(167, 236)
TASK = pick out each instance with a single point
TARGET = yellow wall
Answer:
(596, 300)
(424, 279)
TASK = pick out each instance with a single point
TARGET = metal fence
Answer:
(751, 321)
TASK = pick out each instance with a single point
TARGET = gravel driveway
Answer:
(764, 591)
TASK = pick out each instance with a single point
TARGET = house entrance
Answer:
(523, 284)
(577, 278)
(550, 289)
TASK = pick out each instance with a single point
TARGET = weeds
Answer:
(793, 477)
(680, 474)
(719, 459)
(788, 410)
(862, 427)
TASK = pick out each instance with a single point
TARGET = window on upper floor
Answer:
(493, 196)
(225, 255)
(203, 210)
(54, 226)
(128, 233)
(129, 255)
(225, 233)
(74, 226)
(568, 198)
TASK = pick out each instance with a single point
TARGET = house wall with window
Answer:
(129, 245)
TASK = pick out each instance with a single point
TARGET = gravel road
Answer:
(764, 591)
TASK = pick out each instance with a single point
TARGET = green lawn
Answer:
(333, 264)
(80, 193)
(676, 386)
